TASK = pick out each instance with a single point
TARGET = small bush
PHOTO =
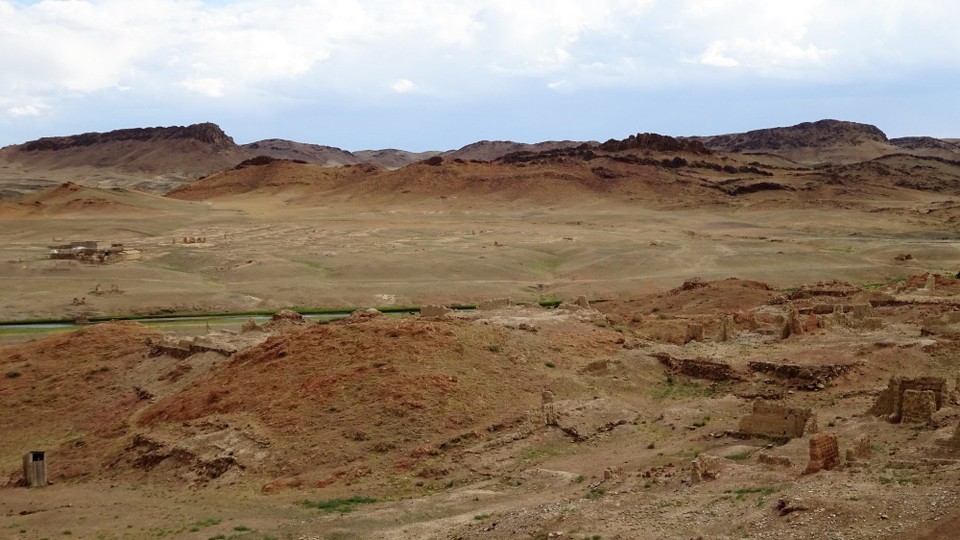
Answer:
(339, 505)
(493, 347)
(12, 374)
(550, 364)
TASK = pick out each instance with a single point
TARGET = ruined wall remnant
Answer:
(694, 333)
(824, 453)
(707, 467)
(777, 421)
(435, 311)
(583, 302)
(497, 303)
(871, 323)
(792, 325)
(890, 402)
(861, 451)
(860, 311)
(918, 406)
(954, 442)
(700, 368)
(726, 328)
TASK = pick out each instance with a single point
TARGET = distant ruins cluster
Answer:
(88, 251)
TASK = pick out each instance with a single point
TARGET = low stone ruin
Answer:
(185, 347)
(435, 311)
(824, 453)
(911, 401)
(496, 303)
(791, 325)
(804, 377)
(770, 459)
(776, 421)
(726, 329)
(700, 368)
(694, 333)
(954, 442)
(582, 420)
(918, 407)
(707, 467)
(861, 451)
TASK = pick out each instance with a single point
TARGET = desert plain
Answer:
(756, 337)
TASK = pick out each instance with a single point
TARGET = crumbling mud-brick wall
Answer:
(699, 368)
(497, 303)
(824, 453)
(918, 406)
(434, 311)
(777, 421)
(889, 403)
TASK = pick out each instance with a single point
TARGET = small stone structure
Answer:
(726, 329)
(434, 311)
(583, 302)
(954, 442)
(890, 402)
(777, 421)
(700, 368)
(707, 467)
(860, 311)
(918, 406)
(931, 282)
(497, 303)
(792, 324)
(769, 459)
(861, 451)
(35, 469)
(824, 453)
(694, 333)
(871, 323)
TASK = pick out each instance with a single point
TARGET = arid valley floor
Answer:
(732, 306)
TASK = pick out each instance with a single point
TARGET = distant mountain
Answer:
(493, 150)
(833, 141)
(392, 158)
(928, 146)
(152, 159)
(327, 156)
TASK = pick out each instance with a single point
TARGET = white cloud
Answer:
(208, 86)
(33, 109)
(55, 50)
(402, 86)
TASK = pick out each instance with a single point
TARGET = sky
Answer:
(439, 74)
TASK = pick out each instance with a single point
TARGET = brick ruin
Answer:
(434, 311)
(707, 467)
(694, 333)
(910, 400)
(861, 451)
(497, 303)
(777, 421)
(700, 368)
(824, 453)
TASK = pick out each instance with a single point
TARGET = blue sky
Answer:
(430, 74)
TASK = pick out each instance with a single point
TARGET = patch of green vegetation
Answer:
(481, 517)
(740, 456)
(209, 522)
(681, 389)
(540, 452)
(494, 347)
(546, 267)
(339, 505)
(595, 494)
(242, 528)
(742, 493)
(580, 479)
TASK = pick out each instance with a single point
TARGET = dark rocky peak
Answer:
(207, 133)
(656, 143)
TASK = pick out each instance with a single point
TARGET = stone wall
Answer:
(777, 421)
(497, 303)
(889, 403)
(824, 453)
(918, 406)
(434, 311)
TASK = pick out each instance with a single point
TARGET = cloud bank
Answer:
(54, 54)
